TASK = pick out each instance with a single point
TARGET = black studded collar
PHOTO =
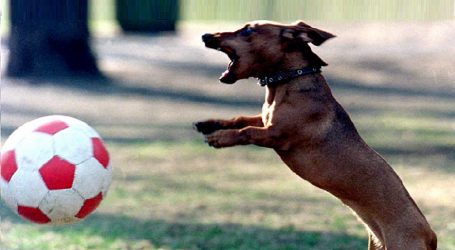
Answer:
(282, 76)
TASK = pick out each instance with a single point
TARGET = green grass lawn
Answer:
(185, 195)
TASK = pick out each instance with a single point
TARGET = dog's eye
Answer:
(246, 31)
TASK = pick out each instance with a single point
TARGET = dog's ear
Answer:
(315, 36)
(306, 33)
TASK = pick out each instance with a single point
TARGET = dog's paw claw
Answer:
(194, 126)
(206, 127)
(197, 126)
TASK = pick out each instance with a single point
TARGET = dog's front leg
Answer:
(210, 126)
(269, 137)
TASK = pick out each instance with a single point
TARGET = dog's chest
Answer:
(268, 106)
(267, 110)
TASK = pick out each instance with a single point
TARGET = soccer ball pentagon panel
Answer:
(54, 170)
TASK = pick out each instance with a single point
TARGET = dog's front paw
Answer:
(223, 138)
(207, 127)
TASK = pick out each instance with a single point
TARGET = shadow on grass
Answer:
(120, 229)
(108, 86)
(178, 134)
(118, 88)
(445, 150)
(398, 90)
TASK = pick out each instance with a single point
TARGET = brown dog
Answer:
(311, 132)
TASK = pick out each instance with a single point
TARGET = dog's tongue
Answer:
(228, 77)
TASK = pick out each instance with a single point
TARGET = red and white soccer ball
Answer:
(54, 170)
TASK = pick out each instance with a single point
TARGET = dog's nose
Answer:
(206, 37)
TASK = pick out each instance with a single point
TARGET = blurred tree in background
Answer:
(50, 38)
(147, 15)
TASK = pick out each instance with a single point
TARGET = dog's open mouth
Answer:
(228, 76)
(213, 42)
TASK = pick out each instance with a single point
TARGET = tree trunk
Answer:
(50, 38)
(147, 15)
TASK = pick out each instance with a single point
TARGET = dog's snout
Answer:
(207, 37)
(211, 40)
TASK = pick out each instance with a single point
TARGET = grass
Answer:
(185, 195)
(169, 195)
(182, 194)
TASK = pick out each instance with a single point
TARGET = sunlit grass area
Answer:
(185, 195)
